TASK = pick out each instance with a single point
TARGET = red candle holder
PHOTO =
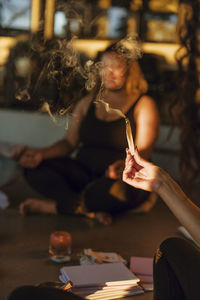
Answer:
(60, 246)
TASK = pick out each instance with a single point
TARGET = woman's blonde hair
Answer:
(136, 83)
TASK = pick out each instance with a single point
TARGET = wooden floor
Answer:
(24, 241)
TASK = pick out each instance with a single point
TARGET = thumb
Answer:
(139, 160)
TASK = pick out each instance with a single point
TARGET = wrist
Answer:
(164, 183)
(43, 153)
(159, 180)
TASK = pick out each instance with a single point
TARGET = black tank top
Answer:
(103, 142)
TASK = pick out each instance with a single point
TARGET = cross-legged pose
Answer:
(90, 182)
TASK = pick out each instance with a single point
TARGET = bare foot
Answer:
(103, 217)
(34, 206)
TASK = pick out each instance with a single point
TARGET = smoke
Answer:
(62, 68)
(118, 112)
(100, 99)
(23, 95)
(56, 118)
(60, 75)
(129, 47)
(46, 108)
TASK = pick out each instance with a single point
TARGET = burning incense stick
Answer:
(129, 136)
(128, 125)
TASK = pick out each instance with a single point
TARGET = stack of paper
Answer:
(143, 268)
(102, 281)
(101, 257)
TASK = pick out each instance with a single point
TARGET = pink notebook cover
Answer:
(143, 268)
(141, 265)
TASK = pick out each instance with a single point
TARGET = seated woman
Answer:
(176, 262)
(91, 182)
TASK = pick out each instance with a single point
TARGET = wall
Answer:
(32, 129)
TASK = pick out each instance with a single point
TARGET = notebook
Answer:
(99, 274)
(102, 281)
(142, 267)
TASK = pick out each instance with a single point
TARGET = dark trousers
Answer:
(176, 271)
(69, 182)
(41, 293)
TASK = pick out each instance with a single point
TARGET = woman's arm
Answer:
(144, 175)
(31, 158)
(71, 139)
(182, 207)
(147, 121)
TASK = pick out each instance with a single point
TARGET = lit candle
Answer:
(60, 246)
(129, 136)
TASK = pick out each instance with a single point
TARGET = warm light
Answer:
(49, 19)
(6, 43)
(35, 15)
(165, 49)
(136, 5)
(60, 246)
(104, 4)
(60, 240)
(91, 47)
(164, 5)
(129, 136)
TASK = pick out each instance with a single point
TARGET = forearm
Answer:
(182, 207)
(59, 149)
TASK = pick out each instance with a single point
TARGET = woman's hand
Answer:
(31, 158)
(115, 170)
(140, 173)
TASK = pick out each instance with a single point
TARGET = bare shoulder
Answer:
(146, 101)
(146, 104)
(78, 115)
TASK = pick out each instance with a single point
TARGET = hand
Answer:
(31, 158)
(12, 151)
(140, 173)
(115, 170)
(17, 151)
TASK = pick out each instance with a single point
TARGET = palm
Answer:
(139, 173)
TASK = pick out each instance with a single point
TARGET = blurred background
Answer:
(91, 25)
(46, 53)
(35, 36)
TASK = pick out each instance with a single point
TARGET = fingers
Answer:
(129, 173)
(31, 159)
(138, 158)
(18, 151)
(132, 161)
(132, 173)
(129, 158)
